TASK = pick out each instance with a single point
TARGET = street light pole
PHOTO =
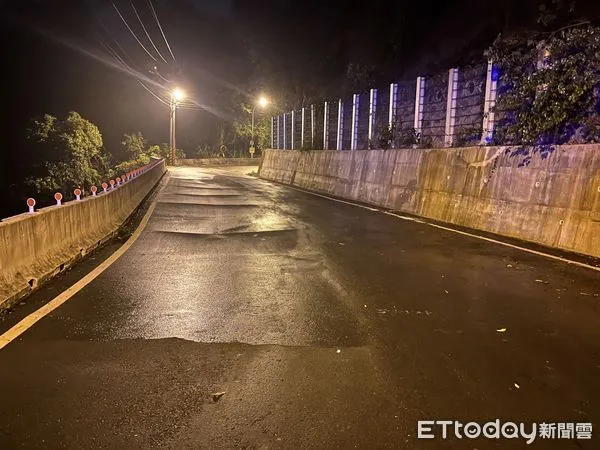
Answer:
(176, 95)
(252, 132)
(262, 102)
(172, 130)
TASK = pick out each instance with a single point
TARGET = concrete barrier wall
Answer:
(553, 201)
(34, 247)
(207, 162)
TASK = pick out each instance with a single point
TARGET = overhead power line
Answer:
(161, 28)
(147, 34)
(133, 34)
(155, 95)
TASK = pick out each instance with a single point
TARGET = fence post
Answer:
(293, 128)
(272, 132)
(279, 132)
(451, 106)
(326, 126)
(419, 100)
(303, 124)
(285, 131)
(354, 131)
(393, 104)
(491, 85)
(340, 124)
(312, 127)
(372, 115)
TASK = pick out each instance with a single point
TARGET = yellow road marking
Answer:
(35, 316)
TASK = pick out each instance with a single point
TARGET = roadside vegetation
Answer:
(69, 153)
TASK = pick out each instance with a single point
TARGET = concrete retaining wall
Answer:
(34, 247)
(207, 162)
(553, 201)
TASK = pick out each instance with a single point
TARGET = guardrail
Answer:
(206, 162)
(106, 188)
(37, 245)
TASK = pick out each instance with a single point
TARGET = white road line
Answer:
(441, 227)
(35, 316)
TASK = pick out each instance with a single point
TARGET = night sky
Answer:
(295, 51)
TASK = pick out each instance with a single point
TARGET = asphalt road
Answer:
(325, 325)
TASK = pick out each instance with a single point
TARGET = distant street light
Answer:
(262, 102)
(176, 96)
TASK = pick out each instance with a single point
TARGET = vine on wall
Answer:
(548, 88)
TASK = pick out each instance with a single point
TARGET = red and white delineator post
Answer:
(105, 187)
(94, 189)
(77, 193)
(58, 197)
(31, 204)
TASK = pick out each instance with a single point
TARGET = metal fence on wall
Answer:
(444, 110)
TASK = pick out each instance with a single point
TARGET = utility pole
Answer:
(176, 95)
(252, 132)
(172, 130)
(262, 102)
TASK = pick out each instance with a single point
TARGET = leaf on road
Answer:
(217, 396)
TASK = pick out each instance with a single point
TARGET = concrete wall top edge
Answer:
(566, 147)
(73, 203)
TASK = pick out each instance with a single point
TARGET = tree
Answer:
(134, 144)
(73, 154)
(164, 151)
(548, 80)
(154, 150)
(243, 127)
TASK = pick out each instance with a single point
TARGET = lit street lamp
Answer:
(262, 102)
(176, 96)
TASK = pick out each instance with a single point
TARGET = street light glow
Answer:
(178, 94)
(263, 102)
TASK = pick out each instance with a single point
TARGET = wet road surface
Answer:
(326, 326)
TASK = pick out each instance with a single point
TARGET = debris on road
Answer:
(341, 243)
(501, 330)
(217, 396)
(338, 351)
(446, 291)
(509, 266)
(517, 386)
(542, 281)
